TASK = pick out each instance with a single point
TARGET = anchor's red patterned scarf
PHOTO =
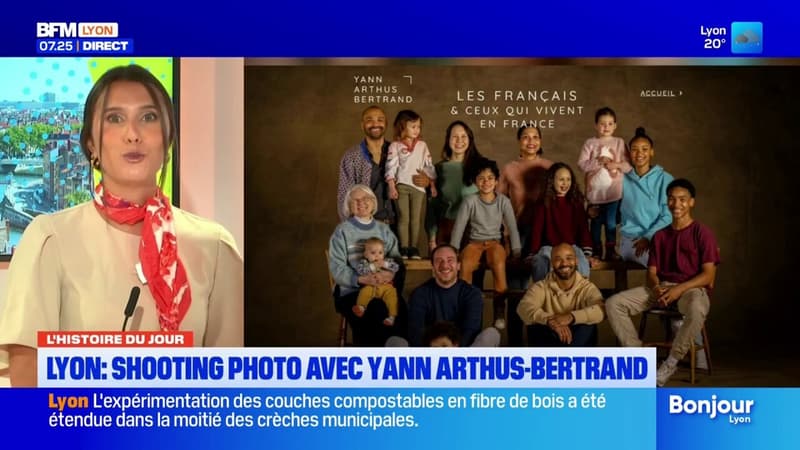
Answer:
(158, 252)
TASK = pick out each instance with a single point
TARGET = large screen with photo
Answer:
(729, 129)
(42, 167)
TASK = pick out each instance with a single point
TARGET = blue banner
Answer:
(707, 418)
(345, 368)
(728, 418)
(400, 418)
(429, 30)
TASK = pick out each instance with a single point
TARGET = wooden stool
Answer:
(515, 328)
(667, 315)
(342, 319)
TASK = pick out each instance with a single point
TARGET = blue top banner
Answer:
(415, 30)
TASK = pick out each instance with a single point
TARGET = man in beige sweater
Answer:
(564, 308)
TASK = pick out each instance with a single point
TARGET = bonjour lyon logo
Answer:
(738, 411)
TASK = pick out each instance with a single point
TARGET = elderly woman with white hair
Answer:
(346, 249)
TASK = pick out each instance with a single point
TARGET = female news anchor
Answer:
(74, 269)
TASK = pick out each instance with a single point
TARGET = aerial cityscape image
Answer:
(42, 167)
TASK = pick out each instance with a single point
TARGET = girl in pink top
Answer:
(408, 154)
(604, 160)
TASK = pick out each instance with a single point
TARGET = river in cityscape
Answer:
(29, 195)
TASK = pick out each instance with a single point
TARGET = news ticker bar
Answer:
(84, 46)
(405, 415)
(398, 418)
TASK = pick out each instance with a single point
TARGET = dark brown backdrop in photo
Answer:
(730, 130)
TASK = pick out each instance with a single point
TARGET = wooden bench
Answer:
(620, 269)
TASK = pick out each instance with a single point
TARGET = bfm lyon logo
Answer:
(73, 29)
(738, 411)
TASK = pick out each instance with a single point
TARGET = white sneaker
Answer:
(664, 372)
(500, 324)
(701, 361)
(676, 325)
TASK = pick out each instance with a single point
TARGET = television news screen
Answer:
(268, 121)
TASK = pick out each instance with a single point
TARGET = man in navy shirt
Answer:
(446, 297)
(681, 269)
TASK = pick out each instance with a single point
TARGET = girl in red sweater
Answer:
(560, 216)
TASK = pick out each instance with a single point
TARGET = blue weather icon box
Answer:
(747, 37)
